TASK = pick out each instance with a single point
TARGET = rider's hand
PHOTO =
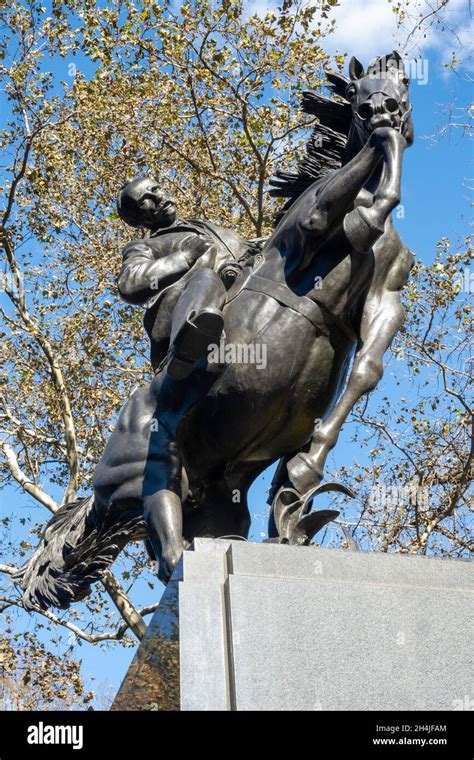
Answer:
(198, 247)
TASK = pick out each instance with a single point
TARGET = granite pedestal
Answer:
(246, 626)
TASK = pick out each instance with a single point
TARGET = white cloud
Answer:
(364, 28)
(367, 28)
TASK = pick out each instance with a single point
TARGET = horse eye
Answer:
(351, 94)
(391, 105)
(364, 111)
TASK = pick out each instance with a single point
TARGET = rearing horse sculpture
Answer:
(325, 290)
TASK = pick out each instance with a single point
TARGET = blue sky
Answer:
(435, 205)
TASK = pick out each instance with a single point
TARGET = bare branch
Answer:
(8, 569)
(90, 637)
(124, 605)
(56, 373)
(132, 617)
(20, 477)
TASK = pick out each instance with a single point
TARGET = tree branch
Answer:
(90, 637)
(132, 617)
(124, 605)
(20, 477)
(8, 569)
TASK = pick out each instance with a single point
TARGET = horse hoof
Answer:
(294, 522)
(168, 561)
(303, 474)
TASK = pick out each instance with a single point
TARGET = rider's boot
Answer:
(198, 323)
(192, 341)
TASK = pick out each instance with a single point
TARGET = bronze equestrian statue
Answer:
(323, 296)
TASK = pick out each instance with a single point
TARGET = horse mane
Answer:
(326, 149)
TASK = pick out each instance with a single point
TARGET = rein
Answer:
(321, 319)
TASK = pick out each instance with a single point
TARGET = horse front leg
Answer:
(305, 470)
(364, 225)
(382, 316)
(332, 202)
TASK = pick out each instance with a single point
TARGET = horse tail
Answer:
(75, 550)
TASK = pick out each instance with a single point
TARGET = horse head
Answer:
(378, 98)
(365, 100)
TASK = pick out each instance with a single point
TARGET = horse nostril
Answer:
(391, 105)
(364, 111)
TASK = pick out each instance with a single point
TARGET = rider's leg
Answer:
(197, 322)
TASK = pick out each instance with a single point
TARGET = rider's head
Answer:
(143, 203)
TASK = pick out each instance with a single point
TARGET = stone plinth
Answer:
(265, 626)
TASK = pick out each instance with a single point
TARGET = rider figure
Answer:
(180, 273)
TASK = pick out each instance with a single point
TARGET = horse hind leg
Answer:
(223, 513)
(164, 482)
(224, 509)
(163, 516)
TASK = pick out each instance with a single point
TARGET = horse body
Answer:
(262, 414)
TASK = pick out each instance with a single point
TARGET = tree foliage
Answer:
(32, 678)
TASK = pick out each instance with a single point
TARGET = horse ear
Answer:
(395, 59)
(398, 58)
(356, 70)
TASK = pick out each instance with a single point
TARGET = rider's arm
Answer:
(141, 275)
